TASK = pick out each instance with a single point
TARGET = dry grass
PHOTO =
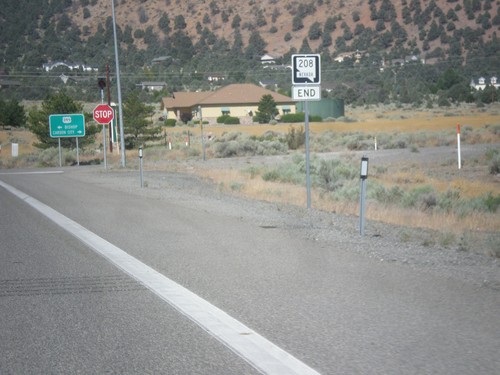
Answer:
(369, 120)
(241, 183)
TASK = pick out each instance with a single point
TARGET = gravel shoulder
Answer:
(381, 242)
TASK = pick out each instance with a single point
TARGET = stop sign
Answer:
(103, 114)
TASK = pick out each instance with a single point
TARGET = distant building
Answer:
(70, 65)
(355, 55)
(237, 100)
(481, 83)
(152, 86)
(216, 77)
(268, 83)
(161, 59)
(268, 59)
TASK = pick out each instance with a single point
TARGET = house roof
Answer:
(245, 93)
(184, 99)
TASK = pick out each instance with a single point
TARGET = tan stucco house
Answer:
(237, 100)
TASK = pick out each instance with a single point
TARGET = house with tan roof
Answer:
(237, 100)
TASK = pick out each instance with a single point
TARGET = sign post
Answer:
(67, 126)
(103, 114)
(306, 79)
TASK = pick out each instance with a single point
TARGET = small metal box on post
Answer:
(362, 199)
(140, 166)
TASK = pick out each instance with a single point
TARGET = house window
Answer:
(225, 111)
(286, 109)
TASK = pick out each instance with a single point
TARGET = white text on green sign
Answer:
(67, 125)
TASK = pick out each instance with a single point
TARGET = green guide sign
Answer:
(67, 125)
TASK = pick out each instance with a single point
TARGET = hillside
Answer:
(273, 19)
(332, 26)
(186, 43)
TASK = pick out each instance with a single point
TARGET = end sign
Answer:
(306, 69)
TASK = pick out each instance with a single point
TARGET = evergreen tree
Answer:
(266, 110)
(164, 23)
(12, 114)
(136, 124)
(315, 31)
(256, 46)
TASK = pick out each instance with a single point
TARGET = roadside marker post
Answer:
(140, 166)
(362, 196)
(458, 147)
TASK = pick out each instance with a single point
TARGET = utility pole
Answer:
(109, 103)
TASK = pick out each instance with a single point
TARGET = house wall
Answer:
(243, 112)
(210, 113)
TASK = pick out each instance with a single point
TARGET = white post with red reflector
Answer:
(458, 147)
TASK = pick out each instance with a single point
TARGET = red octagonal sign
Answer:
(103, 114)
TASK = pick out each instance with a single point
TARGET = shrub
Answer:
(332, 174)
(293, 117)
(171, 122)
(237, 144)
(391, 195)
(232, 120)
(222, 119)
(300, 117)
(495, 164)
(492, 202)
(295, 138)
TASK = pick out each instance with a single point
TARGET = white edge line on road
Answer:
(32, 172)
(248, 344)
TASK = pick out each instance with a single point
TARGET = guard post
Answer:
(140, 166)
(362, 199)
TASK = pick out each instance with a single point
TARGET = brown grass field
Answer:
(472, 180)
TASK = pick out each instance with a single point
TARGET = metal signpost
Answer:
(306, 79)
(67, 126)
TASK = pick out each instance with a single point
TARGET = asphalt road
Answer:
(66, 309)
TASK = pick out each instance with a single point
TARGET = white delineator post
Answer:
(458, 147)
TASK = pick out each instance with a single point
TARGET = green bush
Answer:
(222, 119)
(300, 117)
(171, 122)
(232, 120)
(293, 117)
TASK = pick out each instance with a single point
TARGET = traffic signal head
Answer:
(101, 82)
